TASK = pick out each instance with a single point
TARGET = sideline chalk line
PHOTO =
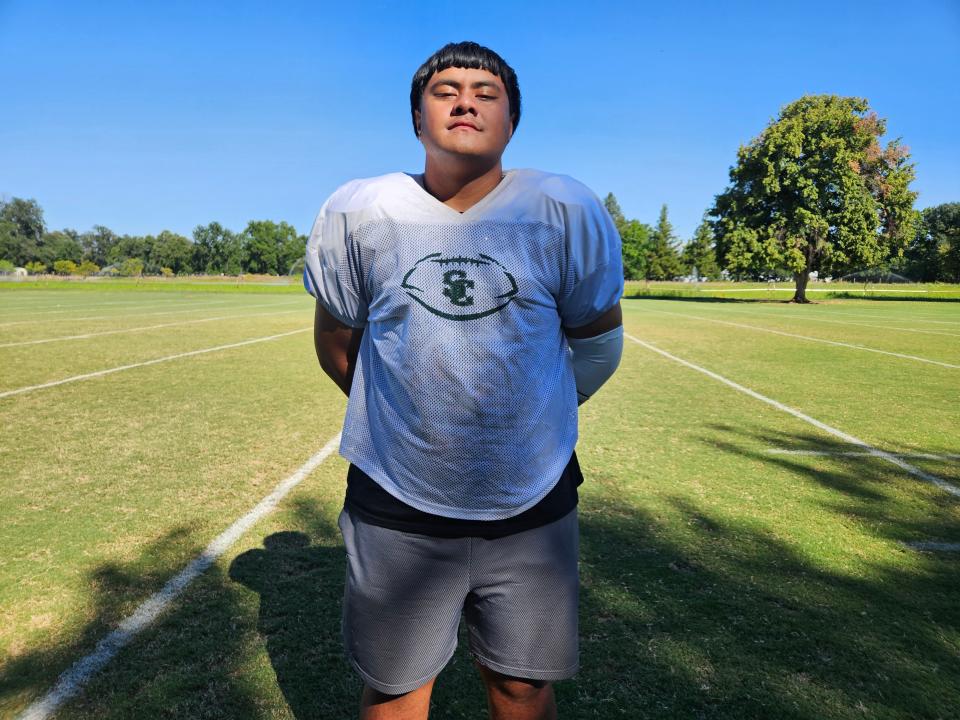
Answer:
(805, 318)
(73, 680)
(136, 315)
(886, 318)
(142, 327)
(811, 339)
(123, 306)
(869, 449)
(100, 373)
(943, 457)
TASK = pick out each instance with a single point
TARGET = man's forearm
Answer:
(595, 349)
(337, 347)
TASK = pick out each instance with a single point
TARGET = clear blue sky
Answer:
(152, 116)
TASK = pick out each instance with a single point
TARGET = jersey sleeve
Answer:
(594, 264)
(332, 271)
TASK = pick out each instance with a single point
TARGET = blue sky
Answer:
(152, 116)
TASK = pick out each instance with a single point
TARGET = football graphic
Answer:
(460, 288)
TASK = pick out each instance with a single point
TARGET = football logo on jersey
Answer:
(460, 288)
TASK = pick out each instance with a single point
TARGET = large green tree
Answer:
(634, 240)
(816, 191)
(130, 246)
(172, 251)
(21, 230)
(97, 244)
(217, 250)
(613, 207)
(934, 253)
(635, 243)
(270, 247)
(59, 245)
(699, 253)
(663, 259)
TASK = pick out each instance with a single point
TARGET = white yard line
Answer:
(943, 457)
(101, 373)
(142, 327)
(812, 339)
(57, 303)
(815, 290)
(72, 681)
(887, 318)
(902, 464)
(770, 315)
(130, 305)
(139, 315)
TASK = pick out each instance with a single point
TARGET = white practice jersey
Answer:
(463, 401)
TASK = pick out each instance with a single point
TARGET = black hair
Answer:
(465, 55)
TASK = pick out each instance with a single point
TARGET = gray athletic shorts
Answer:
(405, 592)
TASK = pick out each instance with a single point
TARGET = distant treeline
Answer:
(263, 247)
(653, 252)
(650, 252)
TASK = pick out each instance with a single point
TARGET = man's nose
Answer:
(464, 105)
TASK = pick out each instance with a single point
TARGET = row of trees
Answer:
(815, 191)
(262, 247)
(655, 253)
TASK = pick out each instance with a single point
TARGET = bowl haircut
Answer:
(466, 55)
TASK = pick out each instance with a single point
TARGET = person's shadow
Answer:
(301, 590)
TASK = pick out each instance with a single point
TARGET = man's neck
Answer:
(461, 188)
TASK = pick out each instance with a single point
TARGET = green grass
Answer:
(718, 579)
(194, 284)
(817, 291)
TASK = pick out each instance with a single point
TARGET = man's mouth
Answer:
(464, 124)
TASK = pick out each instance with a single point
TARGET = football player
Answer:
(466, 311)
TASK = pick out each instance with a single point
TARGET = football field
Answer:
(770, 517)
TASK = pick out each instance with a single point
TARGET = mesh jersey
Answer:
(463, 401)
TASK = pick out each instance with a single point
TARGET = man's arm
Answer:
(608, 321)
(337, 346)
(595, 350)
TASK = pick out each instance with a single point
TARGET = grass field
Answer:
(742, 555)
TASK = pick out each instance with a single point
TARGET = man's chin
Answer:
(470, 151)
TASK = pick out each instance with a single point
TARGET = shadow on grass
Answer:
(841, 295)
(704, 299)
(863, 484)
(117, 589)
(698, 617)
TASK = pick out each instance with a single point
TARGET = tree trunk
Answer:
(800, 294)
(803, 277)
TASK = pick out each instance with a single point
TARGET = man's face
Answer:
(465, 112)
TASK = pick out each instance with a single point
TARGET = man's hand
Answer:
(337, 346)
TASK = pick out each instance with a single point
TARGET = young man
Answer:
(464, 311)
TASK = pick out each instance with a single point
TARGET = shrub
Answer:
(131, 267)
(166, 272)
(88, 268)
(6, 266)
(65, 267)
(35, 267)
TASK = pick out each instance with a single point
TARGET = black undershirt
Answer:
(378, 507)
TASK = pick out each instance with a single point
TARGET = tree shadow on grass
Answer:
(698, 616)
(863, 484)
(117, 588)
(722, 619)
(708, 299)
(841, 295)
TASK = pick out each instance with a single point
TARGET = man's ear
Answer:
(416, 119)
